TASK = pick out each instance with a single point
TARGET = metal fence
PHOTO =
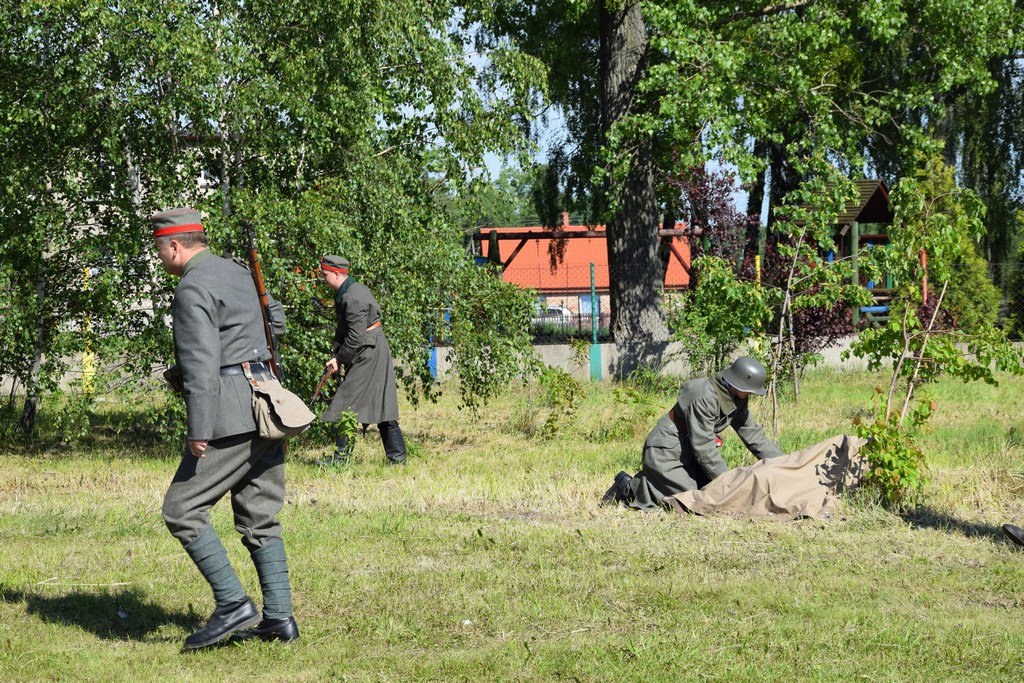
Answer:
(557, 330)
(564, 307)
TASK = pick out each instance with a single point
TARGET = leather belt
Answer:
(677, 419)
(373, 327)
(254, 366)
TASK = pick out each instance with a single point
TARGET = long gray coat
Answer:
(369, 388)
(217, 322)
(674, 462)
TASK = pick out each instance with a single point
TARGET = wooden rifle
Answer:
(319, 387)
(261, 291)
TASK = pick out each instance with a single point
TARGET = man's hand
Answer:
(198, 448)
(332, 366)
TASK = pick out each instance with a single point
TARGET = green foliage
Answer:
(649, 379)
(717, 314)
(944, 221)
(347, 425)
(561, 393)
(896, 470)
(161, 420)
(500, 202)
(648, 89)
(1013, 323)
(331, 127)
(935, 216)
(638, 401)
(808, 278)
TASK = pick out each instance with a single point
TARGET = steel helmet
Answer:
(747, 374)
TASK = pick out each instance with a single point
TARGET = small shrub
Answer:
(897, 469)
(562, 393)
(649, 379)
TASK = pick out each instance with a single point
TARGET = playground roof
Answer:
(871, 205)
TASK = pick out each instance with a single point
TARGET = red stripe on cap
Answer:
(333, 269)
(176, 229)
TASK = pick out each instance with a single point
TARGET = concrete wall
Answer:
(560, 355)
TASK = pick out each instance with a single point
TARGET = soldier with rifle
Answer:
(221, 332)
(369, 388)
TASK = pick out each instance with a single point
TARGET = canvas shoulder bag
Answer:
(278, 412)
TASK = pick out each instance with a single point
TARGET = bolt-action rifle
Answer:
(261, 290)
(319, 387)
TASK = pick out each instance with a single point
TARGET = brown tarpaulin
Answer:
(806, 483)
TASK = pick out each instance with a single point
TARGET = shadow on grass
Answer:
(118, 616)
(942, 521)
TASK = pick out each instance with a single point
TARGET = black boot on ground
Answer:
(619, 491)
(1014, 533)
(284, 630)
(394, 442)
(223, 622)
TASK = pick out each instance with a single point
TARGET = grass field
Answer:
(489, 558)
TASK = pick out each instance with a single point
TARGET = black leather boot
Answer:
(223, 622)
(284, 630)
(394, 442)
(1014, 533)
(619, 491)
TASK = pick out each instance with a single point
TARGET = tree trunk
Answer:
(635, 273)
(783, 179)
(28, 413)
(755, 199)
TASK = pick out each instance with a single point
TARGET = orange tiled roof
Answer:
(532, 267)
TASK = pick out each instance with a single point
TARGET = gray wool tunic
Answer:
(369, 388)
(217, 322)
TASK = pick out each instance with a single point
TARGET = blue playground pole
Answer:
(595, 348)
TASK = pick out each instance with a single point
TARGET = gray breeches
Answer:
(251, 469)
(668, 468)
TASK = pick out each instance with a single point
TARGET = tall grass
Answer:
(489, 558)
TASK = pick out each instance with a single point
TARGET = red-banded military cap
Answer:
(176, 221)
(335, 264)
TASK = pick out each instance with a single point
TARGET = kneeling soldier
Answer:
(681, 453)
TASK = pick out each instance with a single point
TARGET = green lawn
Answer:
(488, 558)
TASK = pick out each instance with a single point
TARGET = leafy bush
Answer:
(933, 216)
(649, 379)
(717, 314)
(562, 393)
(897, 470)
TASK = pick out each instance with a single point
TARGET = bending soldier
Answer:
(369, 388)
(218, 325)
(681, 453)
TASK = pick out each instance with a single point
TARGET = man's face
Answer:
(332, 278)
(169, 252)
(737, 393)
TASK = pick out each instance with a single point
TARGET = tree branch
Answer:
(763, 12)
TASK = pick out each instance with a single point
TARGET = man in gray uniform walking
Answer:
(681, 452)
(369, 388)
(218, 326)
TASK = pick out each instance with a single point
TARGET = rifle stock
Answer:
(261, 291)
(319, 387)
